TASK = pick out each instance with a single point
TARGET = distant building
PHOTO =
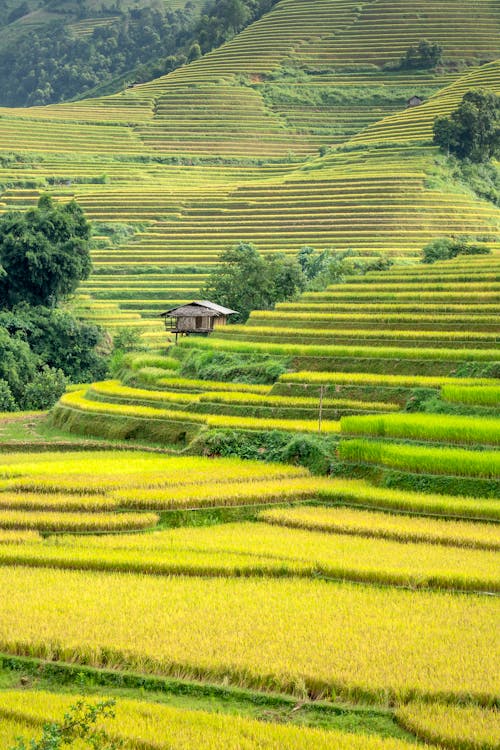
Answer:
(198, 318)
(415, 101)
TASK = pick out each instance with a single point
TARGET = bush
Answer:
(445, 249)
(424, 55)
(59, 340)
(45, 389)
(44, 253)
(7, 400)
(244, 280)
(315, 452)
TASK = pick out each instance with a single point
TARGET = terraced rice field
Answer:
(226, 149)
(385, 566)
(137, 722)
(373, 587)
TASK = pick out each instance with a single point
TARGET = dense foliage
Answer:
(44, 253)
(422, 56)
(233, 366)
(244, 280)
(473, 129)
(445, 249)
(50, 64)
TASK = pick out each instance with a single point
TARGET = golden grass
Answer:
(60, 521)
(460, 727)
(251, 549)
(143, 724)
(387, 526)
(299, 636)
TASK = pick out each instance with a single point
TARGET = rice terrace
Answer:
(249, 374)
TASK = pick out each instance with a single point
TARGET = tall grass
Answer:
(433, 427)
(465, 355)
(481, 395)
(423, 459)
(362, 642)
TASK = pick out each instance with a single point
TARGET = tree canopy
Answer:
(422, 56)
(473, 130)
(48, 63)
(44, 253)
(244, 280)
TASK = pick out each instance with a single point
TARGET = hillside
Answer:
(59, 51)
(227, 148)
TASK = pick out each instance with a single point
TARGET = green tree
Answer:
(244, 280)
(235, 12)
(424, 55)
(44, 253)
(60, 340)
(80, 723)
(194, 52)
(473, 130)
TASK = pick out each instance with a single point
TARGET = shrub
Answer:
(424, 55)
(45, 389)
(445, 249)
(7, 400)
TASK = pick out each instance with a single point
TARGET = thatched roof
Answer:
(194, 309)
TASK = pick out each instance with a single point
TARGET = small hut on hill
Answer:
(199, 318)
(414, 101)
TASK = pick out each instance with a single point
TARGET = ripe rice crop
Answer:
(466, 355)
(287, 425)
(386, 526)
(78, 401)
(461, 727)
(359, 493)
(92, 473)
(56, 521)
(367, 378)
(423, 459)
(211, 385)
(113, 389)
(143, 724)
(243, 549)
(218, 494)
(367, 643)
(290, 401)
(440, 428)
(61, 502)
(474, 396)
(15, 537)
(277, 332)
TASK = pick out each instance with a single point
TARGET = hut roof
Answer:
(203, 307)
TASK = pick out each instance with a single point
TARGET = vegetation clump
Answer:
(80, 723)
(446, 248)
(44, 254)
(473, 130)
(422, 56)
